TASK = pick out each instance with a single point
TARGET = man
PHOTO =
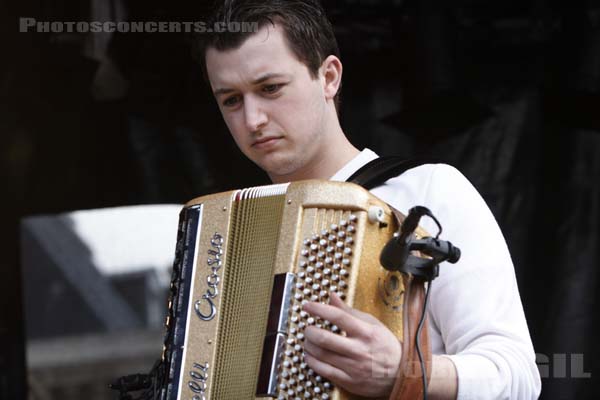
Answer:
(277, 89)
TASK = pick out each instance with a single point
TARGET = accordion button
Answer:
(343, 222)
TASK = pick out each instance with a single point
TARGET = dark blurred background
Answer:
(507, 91)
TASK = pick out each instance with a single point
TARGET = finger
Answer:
(337, 316)
(328, 371)
(339, 360)
(336, 301)
(333, 342)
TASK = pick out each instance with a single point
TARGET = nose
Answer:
(254, 114)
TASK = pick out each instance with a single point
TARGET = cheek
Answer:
(235, 130)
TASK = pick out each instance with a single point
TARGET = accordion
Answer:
(246, 262)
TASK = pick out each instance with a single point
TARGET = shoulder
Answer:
(423, 185)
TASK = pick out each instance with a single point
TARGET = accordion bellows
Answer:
(246, 261)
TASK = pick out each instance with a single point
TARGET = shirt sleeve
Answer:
(475, 304)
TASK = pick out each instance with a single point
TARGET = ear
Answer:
(331, 75)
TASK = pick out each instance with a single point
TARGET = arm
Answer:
(475, 312)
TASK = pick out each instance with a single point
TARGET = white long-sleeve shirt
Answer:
(475, 311)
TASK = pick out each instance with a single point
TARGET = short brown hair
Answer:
(307, 29)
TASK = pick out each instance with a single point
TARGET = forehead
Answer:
(266, 51)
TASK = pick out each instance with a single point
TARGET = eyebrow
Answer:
(257, 81)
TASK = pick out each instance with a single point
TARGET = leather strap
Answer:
(409, 383)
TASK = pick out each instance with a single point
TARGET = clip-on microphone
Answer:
(396, 256)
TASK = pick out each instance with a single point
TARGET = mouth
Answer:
(265, 142)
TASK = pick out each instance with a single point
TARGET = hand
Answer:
(364, 362)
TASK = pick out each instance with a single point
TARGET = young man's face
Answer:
(272, 106)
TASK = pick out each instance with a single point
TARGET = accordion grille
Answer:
(247, 281)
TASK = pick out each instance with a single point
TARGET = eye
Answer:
(231, 101)
(273, 88)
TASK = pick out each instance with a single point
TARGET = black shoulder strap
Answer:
(379, 170)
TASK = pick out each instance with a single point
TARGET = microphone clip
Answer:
(396, 254)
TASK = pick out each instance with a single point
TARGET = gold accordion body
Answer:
(246, 261)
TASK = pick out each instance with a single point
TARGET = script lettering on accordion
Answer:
(214, 261)
(199, 377)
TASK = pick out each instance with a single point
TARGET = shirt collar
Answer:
(354, 165)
